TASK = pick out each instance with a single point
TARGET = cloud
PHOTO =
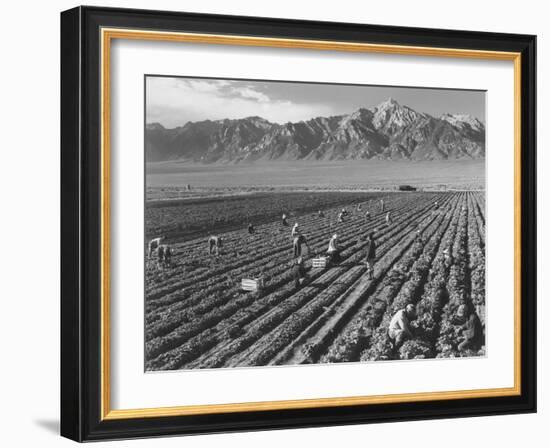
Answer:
(247, 92)
(175, 101)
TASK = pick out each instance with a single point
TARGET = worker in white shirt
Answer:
(155, 243)
(333, 250)
(285, 221)
(295, 230)
(400, 330)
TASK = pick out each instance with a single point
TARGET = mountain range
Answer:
(388, 131)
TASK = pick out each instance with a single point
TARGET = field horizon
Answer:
(370, 174)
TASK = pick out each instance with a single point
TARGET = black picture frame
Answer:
(81, 224)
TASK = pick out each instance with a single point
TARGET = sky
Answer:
(174, 101)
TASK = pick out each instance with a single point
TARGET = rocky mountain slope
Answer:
(388, 131)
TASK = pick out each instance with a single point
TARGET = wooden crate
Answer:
(252, 284)
(319, 262)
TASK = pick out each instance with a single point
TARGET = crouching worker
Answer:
(333, 250)
(471, 328)
(447, 258)
(250, 228)
(284, 220)
(299, 241)
(214, 245)
(154, 244)
(299, 272)
(400, 329)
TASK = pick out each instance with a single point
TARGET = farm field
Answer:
(343, 174)
(197, 316)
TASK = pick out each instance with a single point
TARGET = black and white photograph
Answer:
(293, 223)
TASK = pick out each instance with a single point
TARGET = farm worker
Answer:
(436, 205)
(344, 212)
(371, 255)
(160, 255)
(299, 272)
(297, 243)
(320, 214)
(295, 230)
(333, 250)
(341, 217)
(399, 330)
(167, 254)
(367, 215)
(382, 206)
(285, 222)
(155, 243)
(447, 257)
(358, 207)
(388, 218)
(250, 228)
(471, 327)
(214, 244)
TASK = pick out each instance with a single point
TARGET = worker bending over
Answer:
(285, 222)
(164, 256)
(215, 244)
(155, 243)
(470, 325)
(299, 241)
(400, 330)
(333, 250)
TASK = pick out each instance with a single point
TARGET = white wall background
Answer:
(29, 226)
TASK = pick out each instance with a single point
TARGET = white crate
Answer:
(252, 284)
(319, 262)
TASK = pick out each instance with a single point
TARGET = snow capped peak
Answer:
(390, 103)
(462, 120)
(390, 116)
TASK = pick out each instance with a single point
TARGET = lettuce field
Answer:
(430, 254)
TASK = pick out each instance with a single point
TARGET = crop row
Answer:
(260, 252)
(270, 343)
(219, 290)
(276, 296)
(403, 286)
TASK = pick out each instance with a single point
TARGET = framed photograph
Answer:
(276, 224)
